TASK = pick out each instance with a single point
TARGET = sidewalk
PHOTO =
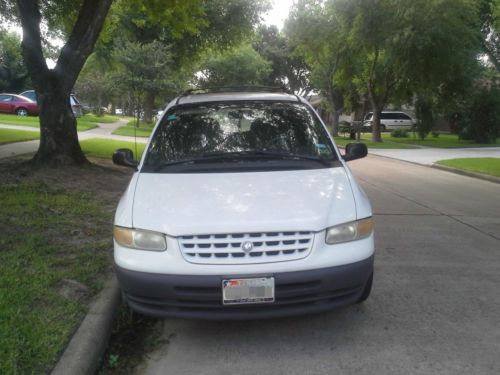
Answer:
(102, 131)
(429, 156)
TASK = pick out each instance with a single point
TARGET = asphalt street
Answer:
(434, 308)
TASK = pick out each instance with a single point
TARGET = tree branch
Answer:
(29, 13)
(82, 39)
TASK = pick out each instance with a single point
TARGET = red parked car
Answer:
(17, 104)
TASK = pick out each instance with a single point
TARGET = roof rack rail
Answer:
(217, 89)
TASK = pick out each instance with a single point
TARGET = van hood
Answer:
(185, 204)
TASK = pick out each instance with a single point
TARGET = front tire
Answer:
(382, 127)
(22, 112)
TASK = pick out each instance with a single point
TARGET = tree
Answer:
(408, 47)
(144, 70)
(96, 83)
(481, 116)
(239, 66)
(288, 69)
(215, 25)
(80, 23)
(13, 73)
(315, 29)
(490, 29)
(58, 136)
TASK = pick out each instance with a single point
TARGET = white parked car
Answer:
(242, 207)
(390, 120)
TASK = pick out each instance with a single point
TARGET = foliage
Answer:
(13, 73)
(399, 133)
(236, 67)
(96, 84)
(490, 29)
(481, 119)
(317, 33)
(143, 68)
(288, 69)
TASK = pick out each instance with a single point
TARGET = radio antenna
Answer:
(135, 128)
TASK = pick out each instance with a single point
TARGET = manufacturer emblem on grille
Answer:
(247, 246)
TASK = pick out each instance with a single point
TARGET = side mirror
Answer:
(355, 151)
(125, 157)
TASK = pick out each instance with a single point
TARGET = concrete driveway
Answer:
(434, 309)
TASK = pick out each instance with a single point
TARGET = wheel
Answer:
(382, 127)
(22, 112)
(367, 290)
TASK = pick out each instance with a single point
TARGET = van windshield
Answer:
(239, 131)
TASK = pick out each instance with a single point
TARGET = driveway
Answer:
(434, 309)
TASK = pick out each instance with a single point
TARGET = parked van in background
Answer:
(390, 120)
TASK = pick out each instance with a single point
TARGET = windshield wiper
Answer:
(238, 155)
(285, 155)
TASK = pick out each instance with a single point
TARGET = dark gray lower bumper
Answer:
(200, 297)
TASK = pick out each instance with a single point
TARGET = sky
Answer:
(278, 13)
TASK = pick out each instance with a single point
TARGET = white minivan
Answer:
(390, 120)
(242, 207)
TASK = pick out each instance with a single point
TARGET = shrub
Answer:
(399, 133)
(435, 133)
(481, 120)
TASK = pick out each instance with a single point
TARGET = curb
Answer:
(467, 173)
(88, 344)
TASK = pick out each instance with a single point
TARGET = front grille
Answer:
(266, 247)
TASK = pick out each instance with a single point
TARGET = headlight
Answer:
(355, 230)
(139, 239)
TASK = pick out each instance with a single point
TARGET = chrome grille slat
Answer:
(225, 248)
(212, 240)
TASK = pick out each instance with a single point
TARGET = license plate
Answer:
(241, 291)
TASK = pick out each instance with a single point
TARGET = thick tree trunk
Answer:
(58, 134)
(149, 103)
(376, 135)
(335, 123)
(376, 109)
(335, 100)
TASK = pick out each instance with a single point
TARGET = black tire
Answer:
(366, 292)
(382, 127)
(22, 112)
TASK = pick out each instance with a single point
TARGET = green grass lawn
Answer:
(133, 122)
(105, 119)
(86, 122)
(489, 166)
(48, 236)
(104, 148)
(142, 131)
(443, 141)
(366, 139)
(13, 135)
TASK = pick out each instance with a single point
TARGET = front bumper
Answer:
(200, 296)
